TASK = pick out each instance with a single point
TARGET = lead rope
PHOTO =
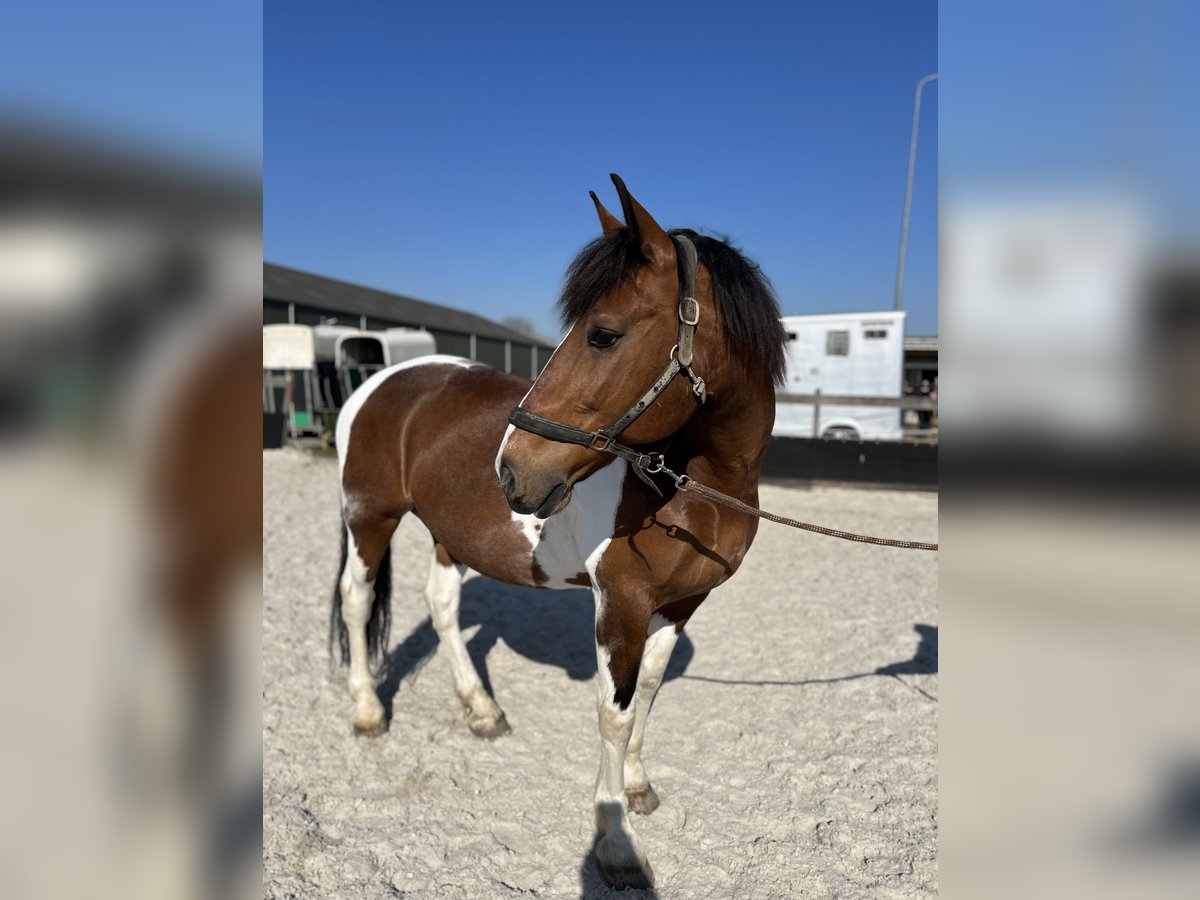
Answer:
(686, 483)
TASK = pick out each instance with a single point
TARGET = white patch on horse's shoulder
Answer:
(529, 528)
(563, 544)
(596, 500)
(552, 547)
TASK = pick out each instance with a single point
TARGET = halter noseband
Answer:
(604, 440)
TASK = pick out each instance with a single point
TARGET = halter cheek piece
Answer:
(605, 440)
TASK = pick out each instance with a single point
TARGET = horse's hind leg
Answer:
(442, 592)
(365, 614)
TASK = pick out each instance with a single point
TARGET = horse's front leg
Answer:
(664, 629)
(659, 645)
(621, 624)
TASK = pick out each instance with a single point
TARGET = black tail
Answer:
(379, 625)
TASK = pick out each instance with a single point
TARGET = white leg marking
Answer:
(616, 728)
(618, 848)
(442, 592)
(655, 657)
(357, 596)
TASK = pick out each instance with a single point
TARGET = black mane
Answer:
(744, 296)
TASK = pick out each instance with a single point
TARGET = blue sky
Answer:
(186, 78)
(1069, 96)
(445, 151)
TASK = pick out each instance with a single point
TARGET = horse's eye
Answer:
(602, 339)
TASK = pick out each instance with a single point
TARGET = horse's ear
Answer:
(656, 245)
(608, 222)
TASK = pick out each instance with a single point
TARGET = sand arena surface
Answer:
(793, 743)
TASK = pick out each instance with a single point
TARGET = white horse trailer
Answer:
(330, 396)
(843, 354)
(361, 354)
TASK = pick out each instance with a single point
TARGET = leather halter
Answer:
(605, 440)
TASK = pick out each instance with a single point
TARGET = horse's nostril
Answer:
(507, 481)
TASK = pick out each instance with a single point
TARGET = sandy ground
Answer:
(793, 745)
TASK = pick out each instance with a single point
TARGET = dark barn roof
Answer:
(293, 286)
(76, 168)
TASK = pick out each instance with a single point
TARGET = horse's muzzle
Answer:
(542, 500)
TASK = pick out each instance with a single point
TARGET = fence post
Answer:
(816, 413)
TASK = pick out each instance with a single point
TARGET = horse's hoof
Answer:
(490, 727)
(624, 873)
(643, 801)
(371, 728)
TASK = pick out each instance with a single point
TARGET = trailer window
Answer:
(875, 333)
(837, 343)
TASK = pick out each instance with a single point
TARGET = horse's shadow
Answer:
(553, 628)
(557, 628)
(924, 661)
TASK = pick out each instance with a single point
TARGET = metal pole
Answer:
(912, 159)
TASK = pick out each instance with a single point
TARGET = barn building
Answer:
(920, 360)
(292, 296)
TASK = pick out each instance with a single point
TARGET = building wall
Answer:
(452, 342)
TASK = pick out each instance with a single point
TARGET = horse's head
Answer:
(622, 299)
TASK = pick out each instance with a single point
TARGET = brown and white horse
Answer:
(432, 437)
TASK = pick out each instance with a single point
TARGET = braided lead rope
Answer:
(685, 483)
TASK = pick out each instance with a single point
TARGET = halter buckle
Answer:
(600, 446)
(689, 311)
